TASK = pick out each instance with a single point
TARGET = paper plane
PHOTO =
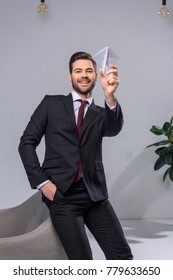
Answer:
(105, 57)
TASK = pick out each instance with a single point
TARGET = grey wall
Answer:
(34, 54)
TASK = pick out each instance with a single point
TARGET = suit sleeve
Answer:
(30, 140)
(113, 121)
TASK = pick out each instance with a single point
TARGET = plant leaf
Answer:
(159, 163)
(157, 130)
(171, 121)
(159, 151)
(168, 159)
(171, 173)
(166, 173)
(160, 143)
(169, 131)
(166, 126)
(169, 150)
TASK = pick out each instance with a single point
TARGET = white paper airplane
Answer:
(105, 57)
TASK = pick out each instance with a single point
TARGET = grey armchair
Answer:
(26, 232)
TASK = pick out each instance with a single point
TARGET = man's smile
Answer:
(84, 82)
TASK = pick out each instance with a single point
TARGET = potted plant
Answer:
(165, 150)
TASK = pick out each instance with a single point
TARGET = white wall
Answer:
(34, 54)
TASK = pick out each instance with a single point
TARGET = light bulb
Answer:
(163, 11)
(42, 8)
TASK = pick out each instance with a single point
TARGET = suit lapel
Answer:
(68, 103)
(89, 117)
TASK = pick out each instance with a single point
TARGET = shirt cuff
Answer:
(113, 108)
(42, 184)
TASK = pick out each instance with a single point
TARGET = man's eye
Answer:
(90, 71)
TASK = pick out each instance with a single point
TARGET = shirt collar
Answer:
(76, 97)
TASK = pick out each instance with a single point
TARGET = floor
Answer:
(149, 239)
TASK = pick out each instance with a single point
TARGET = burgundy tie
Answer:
(79, 128)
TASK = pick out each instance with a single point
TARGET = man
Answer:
(71, 178)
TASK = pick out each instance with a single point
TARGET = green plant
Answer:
(165, 152)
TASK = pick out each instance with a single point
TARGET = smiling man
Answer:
(72, 178)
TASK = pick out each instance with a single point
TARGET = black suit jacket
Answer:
(54, 118)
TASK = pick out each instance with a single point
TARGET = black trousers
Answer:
(72, 211)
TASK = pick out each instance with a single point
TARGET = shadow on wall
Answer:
(138, 230)
(139, 191)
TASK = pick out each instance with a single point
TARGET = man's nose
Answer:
(84, 74)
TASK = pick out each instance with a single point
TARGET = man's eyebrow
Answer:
(90, 68)
(77, 69)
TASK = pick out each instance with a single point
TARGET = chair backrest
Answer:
(23, 218)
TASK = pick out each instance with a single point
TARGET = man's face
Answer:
(83, 77)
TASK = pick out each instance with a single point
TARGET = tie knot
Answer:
(83, 102)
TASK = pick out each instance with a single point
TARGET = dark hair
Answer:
(81, 55)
